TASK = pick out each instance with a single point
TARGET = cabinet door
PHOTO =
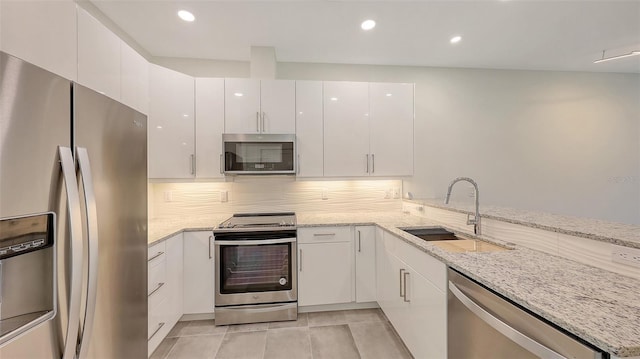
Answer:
(365, 249)
(209, 127)
(175, 278)
(171, 124)
(324, 273)
(425, 325)
(241, 106)
(198, 273)
(277, 104)
(43, 33)
(391, 124)
(98, 56)
(135, 79)
(309, 138)
(346, 128)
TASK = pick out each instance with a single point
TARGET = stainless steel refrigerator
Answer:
(73, 219)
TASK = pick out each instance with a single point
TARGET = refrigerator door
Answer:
(115, 139)
(35, 134)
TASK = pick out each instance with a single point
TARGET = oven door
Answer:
(251, 271)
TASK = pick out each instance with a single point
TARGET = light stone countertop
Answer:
(617, 233)
(598, 306)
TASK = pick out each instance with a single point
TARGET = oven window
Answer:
(255, 268)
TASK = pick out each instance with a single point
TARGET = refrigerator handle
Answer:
(84, 168)
(65, 158)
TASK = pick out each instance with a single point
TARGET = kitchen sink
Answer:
(431, 234)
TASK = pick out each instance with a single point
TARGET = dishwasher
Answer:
(482, 324)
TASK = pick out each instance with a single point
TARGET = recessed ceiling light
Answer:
(368, 25)
(159, 127)
(185, 115)
(334, 99)
(389, 95)
(186, 16)
(239, 94)
(455, 39)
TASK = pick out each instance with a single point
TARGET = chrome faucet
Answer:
(476, 218)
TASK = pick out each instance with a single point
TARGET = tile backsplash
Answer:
(272, 194)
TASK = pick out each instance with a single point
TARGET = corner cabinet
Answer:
(198, 273)
(325, 265)
(259, 106)
(171, 124)
(411, 290)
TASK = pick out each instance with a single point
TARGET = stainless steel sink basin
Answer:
(432, 234)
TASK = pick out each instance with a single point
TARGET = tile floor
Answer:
(363, 333)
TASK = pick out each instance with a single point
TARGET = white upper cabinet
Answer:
(209, 127)
(277, 104)
(171, 124)
(43, 33)
(391, 129)
(255, 106)
(346, 128)
(309, 138)
(134, 79)
(98, 56)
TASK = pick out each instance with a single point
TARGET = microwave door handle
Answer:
(221, 164)
(84, 167)
(504, 328)
(263, 116)
(258, 122)
(68, 174)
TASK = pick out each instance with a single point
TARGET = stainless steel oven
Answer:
(255, 276)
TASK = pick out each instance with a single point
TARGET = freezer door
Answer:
(115, 139)
(34, 121)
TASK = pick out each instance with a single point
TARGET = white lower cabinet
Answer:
(416, 306)
(165, 272)
(325, 265)
(365, 250)
(198, 272)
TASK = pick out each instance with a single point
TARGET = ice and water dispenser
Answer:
(27, 273)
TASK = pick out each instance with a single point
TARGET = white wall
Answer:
(561, 142)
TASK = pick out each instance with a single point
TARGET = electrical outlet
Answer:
(224, 196)
(396, 193)
(325, 193)
(625, 255)
(387, 194)
(168, 196)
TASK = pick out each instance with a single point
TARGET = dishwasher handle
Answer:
(504, 328)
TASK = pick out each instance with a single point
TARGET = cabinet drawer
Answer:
(158, 326)
(156, 282)
(156, 252)
(324, 234)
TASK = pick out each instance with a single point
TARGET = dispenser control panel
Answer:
(21, 235)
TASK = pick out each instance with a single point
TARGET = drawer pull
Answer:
(160, 325)
(323, 234)
(156, 289)
(156, 256)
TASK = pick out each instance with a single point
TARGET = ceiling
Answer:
(533, 35)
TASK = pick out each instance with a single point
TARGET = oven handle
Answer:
(254, 242)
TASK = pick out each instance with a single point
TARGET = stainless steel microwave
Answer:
(259, 154)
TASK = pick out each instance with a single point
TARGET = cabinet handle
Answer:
(156, 289)
(221, 164)
(156, 256)
(157, 330)
(367, 159)
(359, 243)
(323, 234)
(262, 129)
(400, 281)
(257, 121)
(406, 274)
(210, 240)
(300, 259)
(193, 164)
(373, 163)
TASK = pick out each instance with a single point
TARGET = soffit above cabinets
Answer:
(531, 35)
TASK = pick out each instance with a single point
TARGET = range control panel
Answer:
(21, 235)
